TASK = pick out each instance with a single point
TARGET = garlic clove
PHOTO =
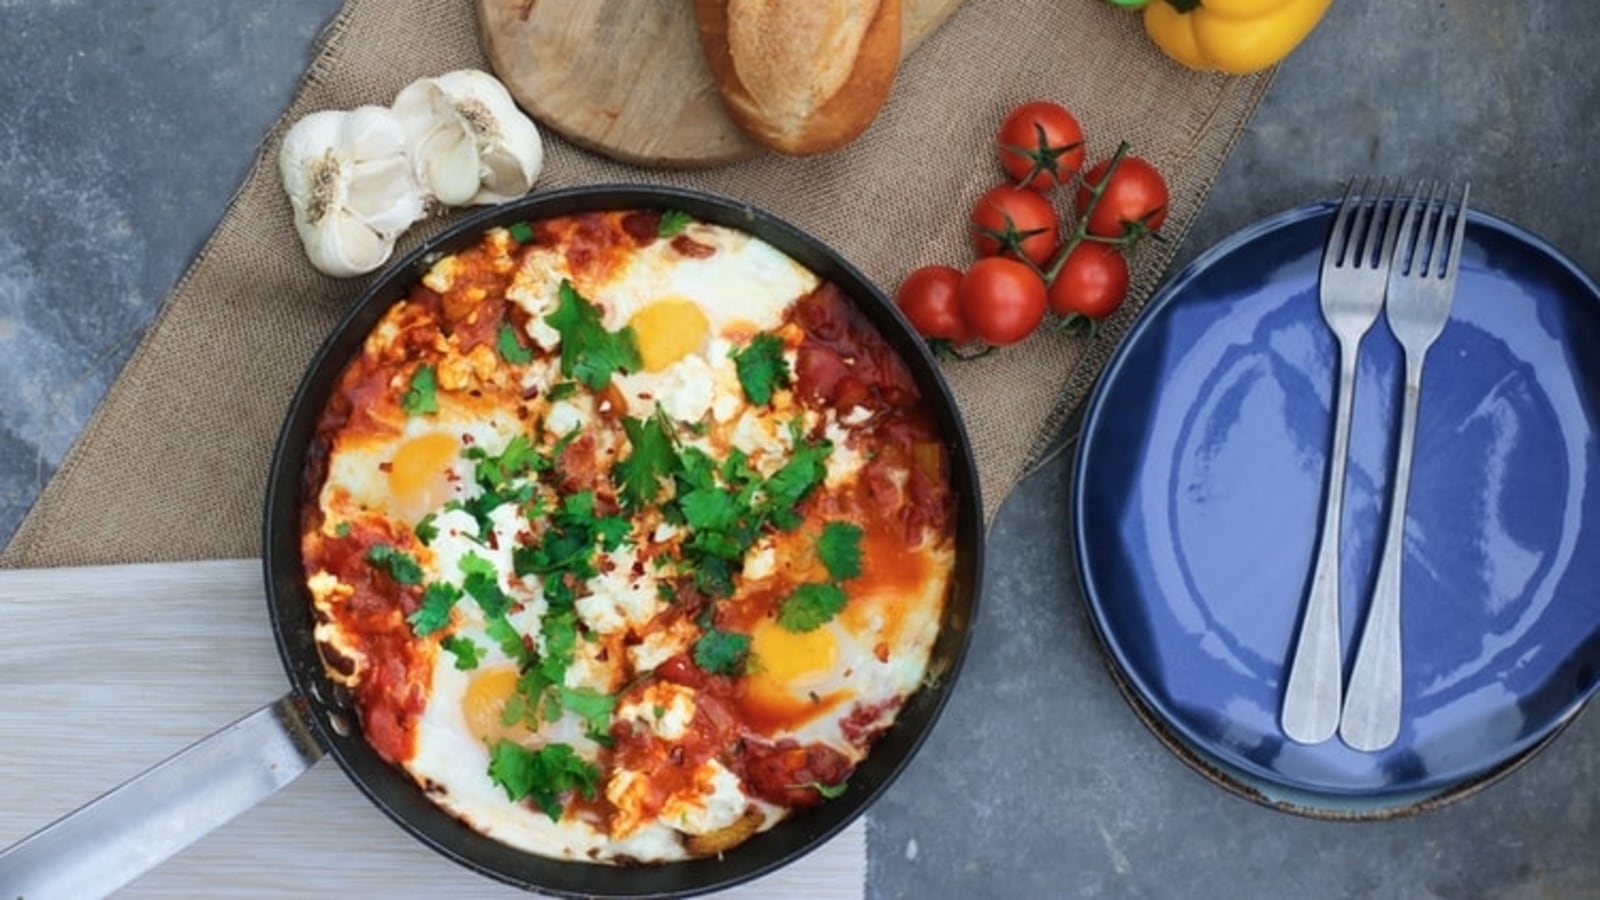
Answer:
(349, 182)
(345, 247)
(449, 158)
(445, 115)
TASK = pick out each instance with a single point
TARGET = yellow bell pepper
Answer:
(1233, 36)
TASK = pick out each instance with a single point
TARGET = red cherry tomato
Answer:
(1092, 282)
(1009, 220)
(930, 299)
(1040, 145)
(1003, 300)
(1134, 199)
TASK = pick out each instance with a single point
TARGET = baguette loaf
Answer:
(801, 76)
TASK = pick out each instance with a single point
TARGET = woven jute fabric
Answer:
(173, 464)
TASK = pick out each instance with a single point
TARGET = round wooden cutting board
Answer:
(626, 78)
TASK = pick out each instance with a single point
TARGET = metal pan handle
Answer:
(133, 828)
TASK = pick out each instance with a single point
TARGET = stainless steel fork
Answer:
(1422, 284)
(1355, 268)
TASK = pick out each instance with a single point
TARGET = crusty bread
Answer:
(801, 77)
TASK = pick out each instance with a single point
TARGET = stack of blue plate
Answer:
(1198, 491)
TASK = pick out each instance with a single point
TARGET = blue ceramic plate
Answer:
(1198, 490)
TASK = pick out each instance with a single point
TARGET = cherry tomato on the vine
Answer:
(1092, 281)
(1134, 199)
(1003, 300)
(930, 299)
(1041, 145)
(1008, 221)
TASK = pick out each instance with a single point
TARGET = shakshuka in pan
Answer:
(628, 535)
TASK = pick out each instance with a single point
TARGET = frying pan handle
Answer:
(128, 831)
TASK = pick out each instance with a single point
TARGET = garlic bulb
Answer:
(350, 182)
(469, 141)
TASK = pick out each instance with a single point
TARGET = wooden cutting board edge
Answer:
(631, 85)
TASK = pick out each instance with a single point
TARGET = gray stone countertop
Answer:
(125, 128)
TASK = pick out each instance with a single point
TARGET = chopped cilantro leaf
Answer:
(544, 774)
(421, 397)
(467, 653)
(495, 473)
(589, 353)
(510, 347)
(434, 613)
(709, 509)
(804, 470)
(427, 529)
(481, 584)
(828, 791)
(521, 232)
(761, 367)
(673, 222)
(342, 529)
(593, 707)
(612, 531)
(502, 632)
(839, 548)
(561, 390)
(560, 631)
(722, 652)
(522, 707)
(810, 606)
(401, 567)
(639, 476)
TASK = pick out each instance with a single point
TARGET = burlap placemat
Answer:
(173, 464)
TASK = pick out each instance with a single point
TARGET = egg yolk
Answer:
(668, 330)
(789, 662)
(484, 702)
(418, 475)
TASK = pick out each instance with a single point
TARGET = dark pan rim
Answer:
(392, 790)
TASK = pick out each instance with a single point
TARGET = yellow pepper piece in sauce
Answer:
(1232, 36)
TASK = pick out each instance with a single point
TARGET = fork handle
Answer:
(1311, 696)
(1371, 719)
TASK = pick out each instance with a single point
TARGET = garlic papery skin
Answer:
(349, 179)
(470, 143)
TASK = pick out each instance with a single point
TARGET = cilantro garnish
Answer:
(521, 232)
(544, 774)
(427, 529)
(401, 567)
(467, 653)
(481, 583)
(810, 606)
(561, 390)
(790, 484)
(709, 509)
(518, 459)
(722, 652)
(502, 632)
(342, 529)
(673, 222)
(839, 548)
(422, 396)
(639, 476)
(761, 367)
(510, 348)
(434, 613)
(828, 791)
(589, 353)
(593, 707)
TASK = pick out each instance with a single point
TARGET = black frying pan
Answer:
(335, 725)
(112, 840)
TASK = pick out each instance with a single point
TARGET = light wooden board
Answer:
(106, 671)
(627, 77)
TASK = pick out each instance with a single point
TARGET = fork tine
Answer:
(1371, 246)
(1407, 243)
(1391, 231)
(1335, 251)
(1441, 268)
(1428, 248)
